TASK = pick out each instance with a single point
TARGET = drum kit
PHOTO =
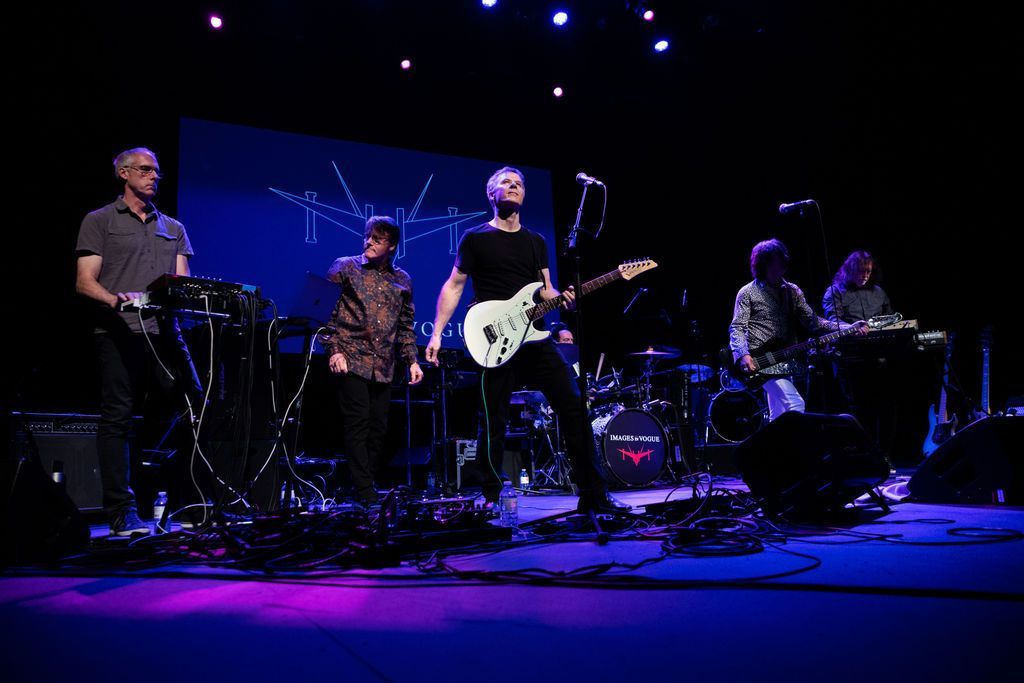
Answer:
(647, 422)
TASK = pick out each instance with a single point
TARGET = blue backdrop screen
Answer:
(264, 207)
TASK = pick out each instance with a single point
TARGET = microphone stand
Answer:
(573, 247)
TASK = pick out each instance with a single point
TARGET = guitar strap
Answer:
(533, 248)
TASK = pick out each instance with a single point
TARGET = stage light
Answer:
(488, 3)
(216, 22)
(560, 18)
(558, 92)
(648, 15)
(661, 45)
(406, 65)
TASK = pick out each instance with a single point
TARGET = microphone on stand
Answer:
(795, 206)
(584, 179)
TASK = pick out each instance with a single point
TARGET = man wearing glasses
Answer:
(372, 319)
(121, 249)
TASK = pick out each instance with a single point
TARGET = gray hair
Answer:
(492, 182)
(124, 159)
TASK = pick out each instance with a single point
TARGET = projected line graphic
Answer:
(353, 219)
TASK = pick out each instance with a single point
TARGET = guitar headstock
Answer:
(630, 269)
(880, 321)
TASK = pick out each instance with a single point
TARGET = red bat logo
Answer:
(636, 456)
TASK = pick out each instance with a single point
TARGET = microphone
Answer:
(640, 292)
(584, 179)
(795, 206)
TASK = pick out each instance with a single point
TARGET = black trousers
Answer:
(364, 419)
(540, 367)
(128, 371)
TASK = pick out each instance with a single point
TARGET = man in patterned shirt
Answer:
(768, 312)
(373, 317)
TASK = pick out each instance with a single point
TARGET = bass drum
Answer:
(736, 415)
(632, 447)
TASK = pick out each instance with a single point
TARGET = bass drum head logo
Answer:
(634, 447)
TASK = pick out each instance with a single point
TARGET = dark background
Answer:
(897, 117)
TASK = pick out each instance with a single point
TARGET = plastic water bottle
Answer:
(159, 505)
(508, 506)
(524, 479)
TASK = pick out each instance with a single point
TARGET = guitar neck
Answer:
(797, 349)
(543, 308)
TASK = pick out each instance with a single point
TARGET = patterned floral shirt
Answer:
(764, 315)
(373, 317)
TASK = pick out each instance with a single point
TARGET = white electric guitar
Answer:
(494, 330)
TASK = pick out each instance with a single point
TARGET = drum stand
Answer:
(556, 471)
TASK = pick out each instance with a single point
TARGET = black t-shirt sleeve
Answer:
(466, 258)
(542, 249)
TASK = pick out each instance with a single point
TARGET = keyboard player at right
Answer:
(868, 384)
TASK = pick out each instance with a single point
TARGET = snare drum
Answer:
(736, 415)
(632, 444)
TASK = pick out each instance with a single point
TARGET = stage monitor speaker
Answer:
(809, 465)
(982, 463)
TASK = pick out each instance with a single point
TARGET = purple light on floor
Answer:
(558, 92)
(406, 65)
(560, 18)
(661, 45)
(216, 22)
(649, 15)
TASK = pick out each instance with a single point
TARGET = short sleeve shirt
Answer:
(134, 252)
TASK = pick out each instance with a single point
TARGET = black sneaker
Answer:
(127, 523)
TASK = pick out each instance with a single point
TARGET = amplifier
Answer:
(68, 438)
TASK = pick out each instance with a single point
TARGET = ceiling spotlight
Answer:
(216, 22)
(558, 92)
(648, 15)
(488, 3)
(560, 18)
(406, 65)
(661, 45)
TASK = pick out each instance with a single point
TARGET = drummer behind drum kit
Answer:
(653, 422)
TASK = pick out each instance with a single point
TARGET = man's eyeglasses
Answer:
(147, 171)
(377, 240)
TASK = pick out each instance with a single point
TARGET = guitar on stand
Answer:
(985, 400)
(941, 425)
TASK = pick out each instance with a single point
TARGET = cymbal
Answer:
(653, 352)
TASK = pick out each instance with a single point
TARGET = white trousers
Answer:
(782, 397)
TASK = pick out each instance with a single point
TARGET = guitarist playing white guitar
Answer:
(503, 257)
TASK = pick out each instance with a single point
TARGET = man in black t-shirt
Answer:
(501, 257)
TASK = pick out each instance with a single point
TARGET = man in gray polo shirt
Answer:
(121, 249)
